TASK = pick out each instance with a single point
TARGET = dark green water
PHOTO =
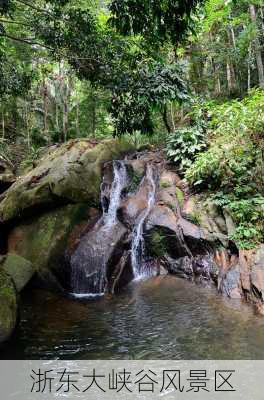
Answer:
(161, 318)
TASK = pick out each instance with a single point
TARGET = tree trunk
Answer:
(217, 82)
(77, 119)
(231, 79)
(65, 113)
(262, 18)
(3, 125)
(165, 119)
(249, 68)
(93, 110)
(45, 107)
(172, 117)
(257, 46)
(232, 35)
(230, 69)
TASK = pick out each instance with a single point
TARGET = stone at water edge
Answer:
(231, 283)
(43, 240)
(259, 307)
(8, 306)
(257, 271)
(20, 269)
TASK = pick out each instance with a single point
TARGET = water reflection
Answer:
(160, 318)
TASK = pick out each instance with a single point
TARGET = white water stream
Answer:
(138, 242)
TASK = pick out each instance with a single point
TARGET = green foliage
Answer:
(32, 157)
(138, 94)
(234, 129)
(134, 182)
(222, 59)
(184, 144)
(158, 243)
(158, 21)
(230, 165)
(5, 6)
(14, 80)
(141, 141)
(139, 77)
(248, 215)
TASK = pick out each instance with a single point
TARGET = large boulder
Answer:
(69, 173)
(178, 236)
(8, 306)
(42, 240)
(162, 216)
(133, 206)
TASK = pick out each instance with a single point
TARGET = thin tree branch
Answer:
(41, 10)
(6, 21)
(26, 41)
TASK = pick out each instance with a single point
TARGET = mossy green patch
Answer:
(157, 243)
(164, 185)
(43, 240)
(20, 269)
(8, 306)
(180, 196)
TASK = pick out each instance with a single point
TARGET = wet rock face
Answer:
(90, 262)
(201, 268)
(241, 276)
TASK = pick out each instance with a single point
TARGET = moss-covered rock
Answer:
(69, 173)
(43, 240)
(201, 211)
(8, 306)
(20, 269)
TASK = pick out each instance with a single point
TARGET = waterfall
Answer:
(138, 243)
(119, 183)
(89, 262)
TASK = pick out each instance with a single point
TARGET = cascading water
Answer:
(89, 261)
(119, 183)
(138, 243)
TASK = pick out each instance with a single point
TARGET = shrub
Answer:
(184, 144)
(232, 166)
